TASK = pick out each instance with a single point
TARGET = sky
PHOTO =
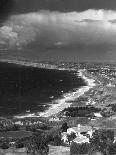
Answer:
(58, 30)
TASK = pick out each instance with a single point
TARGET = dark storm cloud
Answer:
(46, 28)
(6, 7)
(66, 33)
(24, 6)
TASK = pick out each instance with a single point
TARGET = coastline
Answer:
(64, 101)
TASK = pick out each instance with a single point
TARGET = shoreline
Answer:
(64, 101)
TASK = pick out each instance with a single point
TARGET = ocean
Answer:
(28, 89)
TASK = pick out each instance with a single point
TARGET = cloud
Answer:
(8, 38)
(45, 28)
(62, 5)
(6, 7)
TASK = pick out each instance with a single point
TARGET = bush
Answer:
(34, 127)
(13, 127)
(102, 141)
(16, 127)
(54, 139)
(112, 149)
(71, 137)
(77, 149)
(54, 136)
(4, 145)
(64, 127)
(80, 111)
(20, 145)
(57, 140)
(39, 143)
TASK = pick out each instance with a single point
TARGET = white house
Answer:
(82, 133)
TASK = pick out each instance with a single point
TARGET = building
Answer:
(83, 133)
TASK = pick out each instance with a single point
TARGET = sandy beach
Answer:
(63, 103)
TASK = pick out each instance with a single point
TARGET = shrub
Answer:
(77, 149)
(20, 145)
(34, 127)
(54, 139)
(80, 111)
(38, 143)
(4, 145)
(16, 127)
(71, 136)
(64, 127)
(102, 141)
(54, 136)
(35, 143)
(112, 149)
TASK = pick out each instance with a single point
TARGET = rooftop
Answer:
(82, 128)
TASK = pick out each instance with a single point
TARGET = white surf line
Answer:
(27, 63)
(64, 102)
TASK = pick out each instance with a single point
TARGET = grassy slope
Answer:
(59, 150)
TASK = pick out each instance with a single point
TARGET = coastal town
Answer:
(57, 77)
(72, 121)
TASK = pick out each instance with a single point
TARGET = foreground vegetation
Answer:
(39, 138)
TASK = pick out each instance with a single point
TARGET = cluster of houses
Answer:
(82, 134)
(9, 124)
(27, 122)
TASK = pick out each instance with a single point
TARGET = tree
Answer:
(39, 143)
(36, 144)
(102, 140)
(64, 127)
(71, 136)
(79, 149)
(112, 149)
(57, 140)
(4, 145)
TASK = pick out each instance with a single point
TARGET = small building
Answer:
(81, 139)
(80, 129)
(83, 133)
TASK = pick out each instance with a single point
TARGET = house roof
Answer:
(81, 139)
(82, 128)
